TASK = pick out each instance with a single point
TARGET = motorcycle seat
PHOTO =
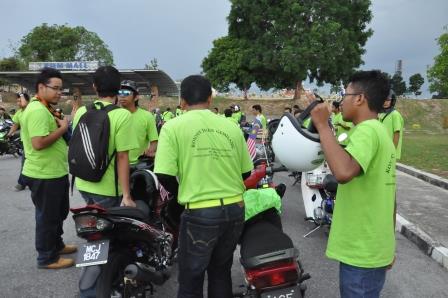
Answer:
(263, 243)
(131, 212)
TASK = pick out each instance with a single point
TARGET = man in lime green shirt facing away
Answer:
(393, 121)
(228, 116)
(209, 157)
(45, 170)
(167, 115)
(121, 139)
(143, 122)
(362, 236)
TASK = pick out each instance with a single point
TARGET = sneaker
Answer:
(19, 187)
(68, 249)
(59, 264)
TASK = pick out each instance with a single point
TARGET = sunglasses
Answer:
(124, 92)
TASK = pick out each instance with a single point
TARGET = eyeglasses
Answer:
(124, 92)
(55, 88)
(347, 94)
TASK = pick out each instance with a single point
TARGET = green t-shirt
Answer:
(179, 112)
(264, 122)
(144, 127)
(48, 163)
(362, 232)
(17, 116)
(207, 153)
(339, 123)
(121, 139)
(393, 122)
(167, 115)
(233, 120)
(237, 116)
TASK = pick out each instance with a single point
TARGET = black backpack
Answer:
(88, 156)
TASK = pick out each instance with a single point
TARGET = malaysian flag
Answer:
(252, 137)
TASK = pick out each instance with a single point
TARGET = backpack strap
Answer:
(385, 116)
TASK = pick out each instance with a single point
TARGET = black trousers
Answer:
(51, 200)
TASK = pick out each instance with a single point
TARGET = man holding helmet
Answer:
(362, 236)
(143, 122)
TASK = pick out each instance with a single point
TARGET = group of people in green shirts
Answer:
(203, 159)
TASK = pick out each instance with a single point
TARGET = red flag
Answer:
(251, 147)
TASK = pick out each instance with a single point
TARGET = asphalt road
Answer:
(414, 274)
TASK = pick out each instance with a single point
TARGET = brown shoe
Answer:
(68, 249)
(59, 264)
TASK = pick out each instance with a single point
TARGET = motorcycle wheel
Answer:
(110, 282)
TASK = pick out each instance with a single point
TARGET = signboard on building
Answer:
(67, 65)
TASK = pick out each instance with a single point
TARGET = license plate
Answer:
(290, 292)
(92, 253)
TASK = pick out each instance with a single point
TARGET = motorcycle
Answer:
(10, 145)
(268, 256)
(319, 193)
(128, 250)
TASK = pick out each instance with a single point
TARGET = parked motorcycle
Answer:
(128, 249)
(319, 192)
(10, 145)
(268, 256)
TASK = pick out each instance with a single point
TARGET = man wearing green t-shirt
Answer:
(143, 122)
(257, 111)
(22, 101)
(167, 115)
(45, 170)
(228, 116)
(122, 140)
(339, 124)
(393, 121)
(362, 236)
(209, 157)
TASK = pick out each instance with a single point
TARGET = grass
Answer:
(428, 152)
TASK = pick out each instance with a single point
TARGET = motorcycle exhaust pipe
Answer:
(146, 273)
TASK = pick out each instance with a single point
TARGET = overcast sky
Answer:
(179, 33)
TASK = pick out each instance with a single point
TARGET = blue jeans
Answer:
(207, 240)
(51, 200)
(356, 282)
(103, 201)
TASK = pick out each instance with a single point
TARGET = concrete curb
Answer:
(428, 177)
(423, 241)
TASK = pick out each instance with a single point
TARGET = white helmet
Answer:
(297, 147)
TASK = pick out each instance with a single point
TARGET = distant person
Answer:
(215, 110)
(178, 111)
(143, 122)
(297, 110)
(22, 102)
(167, 115)
(362, 235)
(238, 114)
(257, 111)
(45, 170)
(288, 110)
(340, 125)
(228, 116)
(393, 121)
(4, 115)
(213, 218)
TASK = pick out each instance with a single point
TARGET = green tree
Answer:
(415, 83)
(10, 64)
(226, 63)
(438, 73)
(398, 85)
(63, 43)
(292, 40)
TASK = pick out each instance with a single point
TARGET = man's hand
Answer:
(62, 123)
(151, 151)
(320, 115)
(128, 201)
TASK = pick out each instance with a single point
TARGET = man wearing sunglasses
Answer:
(143, 122)
(45, 170)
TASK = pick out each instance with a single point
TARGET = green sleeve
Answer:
(397, 122)
(16, 117)
(38, 125)
(246, 161)
(167, 153)
(362, 146)
(124, 141)
(152, 129)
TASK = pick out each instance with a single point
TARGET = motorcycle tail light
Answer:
(274, 275)
(90, 223)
